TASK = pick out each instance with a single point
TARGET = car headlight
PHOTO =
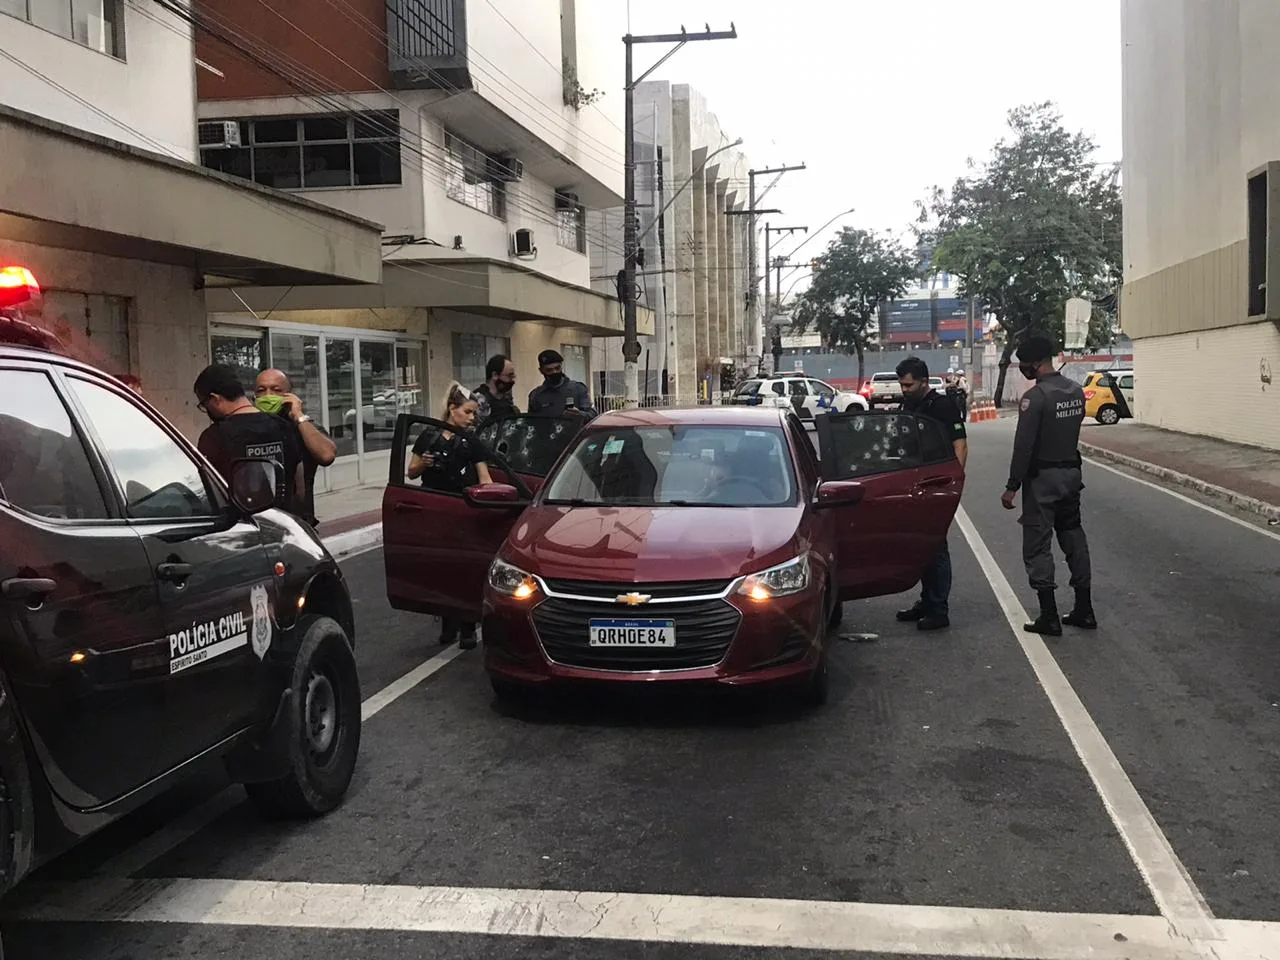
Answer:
(511, 581)
(785, 578)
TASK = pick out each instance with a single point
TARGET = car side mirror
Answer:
(838, 493)
(254, 482)
(494, 495)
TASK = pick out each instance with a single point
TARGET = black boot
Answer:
(912, 614)
(1047, 624)
(1082, 616)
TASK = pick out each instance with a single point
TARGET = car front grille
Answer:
(704, 631)
(656, 591)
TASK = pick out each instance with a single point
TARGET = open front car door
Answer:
(438, 544)
(911, 483)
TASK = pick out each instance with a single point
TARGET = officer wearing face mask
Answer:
(1046, 466)
(493, 398)
(558, 394)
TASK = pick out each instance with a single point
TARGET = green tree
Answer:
(859, 272)
(1039, 223)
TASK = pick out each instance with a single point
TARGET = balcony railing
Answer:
(427, 44)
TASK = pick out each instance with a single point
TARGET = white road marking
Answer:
(1185, 499)
(1176, 896)
(653, 918)
(353, 542)
(398, 688)
(178, 831)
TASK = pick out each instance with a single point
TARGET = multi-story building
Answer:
(474, 132)
(1201, 296)
(694, 275)
(102, 200)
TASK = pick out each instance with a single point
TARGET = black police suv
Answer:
(152, 620)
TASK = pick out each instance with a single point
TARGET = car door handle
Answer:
(27, 588)
(176, 572)
(407, 508)
(934, 482)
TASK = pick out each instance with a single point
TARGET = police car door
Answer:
(211, 568)
(79, 623)
(911, 484)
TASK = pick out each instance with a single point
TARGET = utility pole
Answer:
(768, 232)
(752, 213)
(627, 292)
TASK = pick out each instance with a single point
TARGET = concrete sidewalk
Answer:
(351, 519)
(1246, 477)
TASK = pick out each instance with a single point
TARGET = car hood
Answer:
(652, 544)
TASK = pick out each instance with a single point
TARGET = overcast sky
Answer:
(882, 98)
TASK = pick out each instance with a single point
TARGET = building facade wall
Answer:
(113, 97)
(164, 341)
(1199, 94)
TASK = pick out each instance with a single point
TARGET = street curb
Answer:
(1251, 504)
(341, 544)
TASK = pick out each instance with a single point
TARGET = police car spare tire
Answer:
(323, 726)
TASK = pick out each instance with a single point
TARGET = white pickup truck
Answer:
(884, 388)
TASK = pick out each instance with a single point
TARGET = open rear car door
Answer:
(437, 544)
(911, 483)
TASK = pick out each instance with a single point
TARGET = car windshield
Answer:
(701, 465)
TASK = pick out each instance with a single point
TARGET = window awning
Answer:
(65, 188)
(468, 284)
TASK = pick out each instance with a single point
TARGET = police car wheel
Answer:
(324, 736)
(1108, 415)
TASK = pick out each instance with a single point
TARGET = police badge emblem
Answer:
(261, 633)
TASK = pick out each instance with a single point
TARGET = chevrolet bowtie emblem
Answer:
(633, 599)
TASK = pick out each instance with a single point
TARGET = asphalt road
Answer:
(952, 770)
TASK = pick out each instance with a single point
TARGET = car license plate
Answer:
(633, 633)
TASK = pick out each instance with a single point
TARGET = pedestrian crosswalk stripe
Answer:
(654, 918)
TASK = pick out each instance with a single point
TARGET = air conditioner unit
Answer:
(522, 243)
(219, 133)
(506, 169)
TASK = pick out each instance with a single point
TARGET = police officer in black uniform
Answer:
(932, 610)
(558, 394)
(1046, 466)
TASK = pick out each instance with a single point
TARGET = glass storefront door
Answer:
(378, 393)
(353, 385)
(340, 379)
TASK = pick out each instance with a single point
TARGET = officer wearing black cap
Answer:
(558, 394)
(1046, 466)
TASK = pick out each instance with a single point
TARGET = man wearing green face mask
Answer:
(558, 394)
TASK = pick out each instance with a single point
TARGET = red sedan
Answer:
(704, 545)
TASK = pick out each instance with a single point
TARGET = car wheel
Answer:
(1109, 415)
(323, 726)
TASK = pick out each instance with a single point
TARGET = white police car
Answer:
(806, 395)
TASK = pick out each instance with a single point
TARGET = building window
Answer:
(310, 152)
(575, 361)
(571, 223)
(469, 179)
(471, 351)
(96, 24)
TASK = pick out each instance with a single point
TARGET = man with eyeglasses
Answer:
(239, 430)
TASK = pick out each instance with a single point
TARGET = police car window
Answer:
(818, 388)
(797, 388)
(1126, 383)
(778, 387)
(157, 477)
(44, 468)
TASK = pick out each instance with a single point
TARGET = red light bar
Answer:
(17, 286)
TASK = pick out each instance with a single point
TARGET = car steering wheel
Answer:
(751, 482)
